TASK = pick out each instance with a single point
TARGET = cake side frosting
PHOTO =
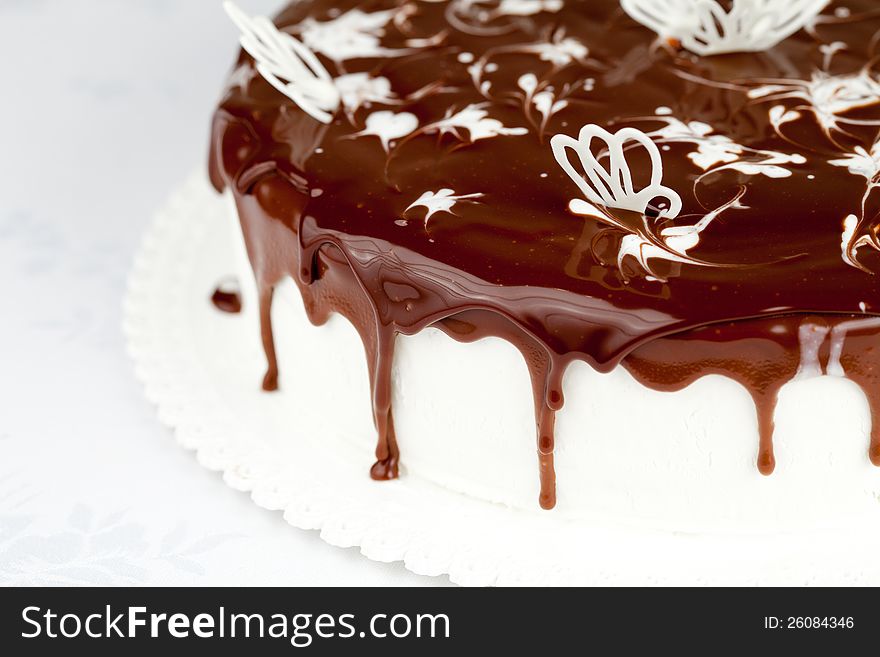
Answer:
(681, 460)
(434, 196)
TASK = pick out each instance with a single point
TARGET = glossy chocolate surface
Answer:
(331, 205)
(227, 298)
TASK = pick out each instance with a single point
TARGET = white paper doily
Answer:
(198, 367)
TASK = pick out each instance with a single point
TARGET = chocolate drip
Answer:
(766, 407)
(329, 206)
(381, 360)
(270, 379)
(552, 400)
(227, 298)
(265, 212)
(859, 361)
(545, 370)
(762, 355)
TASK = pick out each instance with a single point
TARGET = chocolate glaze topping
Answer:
(458, 101)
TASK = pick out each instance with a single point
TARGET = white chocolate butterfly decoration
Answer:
(612, 188)
(706, 28)
(287, 64)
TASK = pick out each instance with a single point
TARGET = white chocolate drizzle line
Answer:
(351, 35)
(811, 337)
(859, 232)
(475, 18)
(440, 201)
(838, 337)
(829, 98)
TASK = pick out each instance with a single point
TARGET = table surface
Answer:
(105, 111)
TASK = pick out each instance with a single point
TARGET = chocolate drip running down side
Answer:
(765, 354)
(226, 298)
(330, 208)
(761, 354)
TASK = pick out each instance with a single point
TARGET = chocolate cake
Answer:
(655, 189)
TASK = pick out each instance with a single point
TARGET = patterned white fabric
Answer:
(93, 489)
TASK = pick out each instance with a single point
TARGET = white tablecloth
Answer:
(104, 108)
